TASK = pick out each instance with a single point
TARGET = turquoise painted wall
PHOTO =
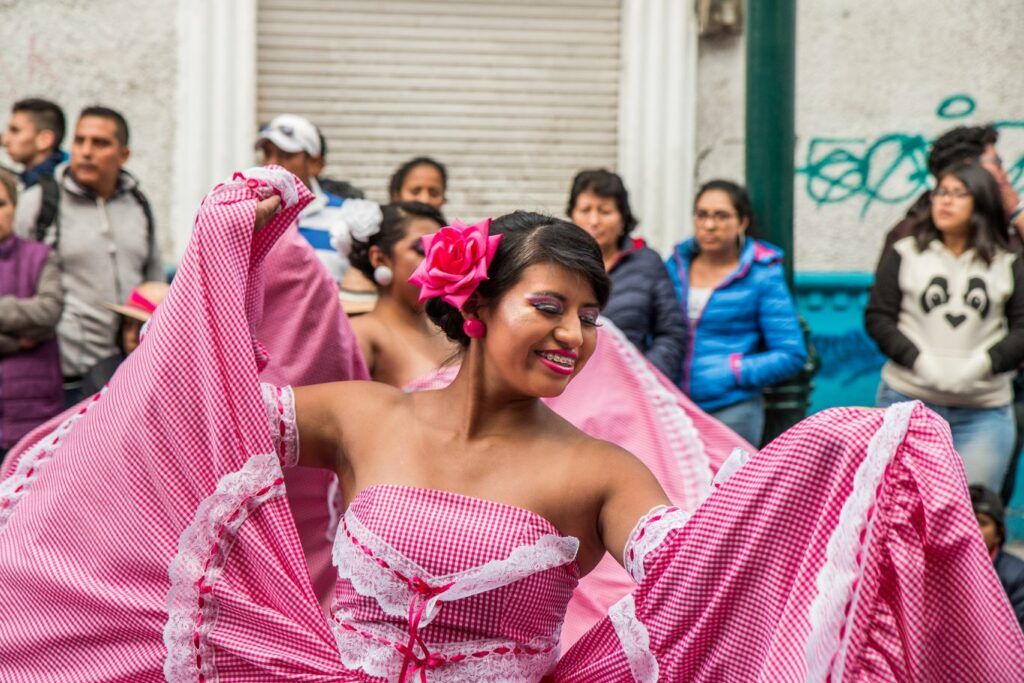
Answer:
(833, 305)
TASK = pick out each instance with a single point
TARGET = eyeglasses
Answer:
(941, 193)
(714, 217)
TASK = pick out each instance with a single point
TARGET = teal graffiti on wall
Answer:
(892, 168)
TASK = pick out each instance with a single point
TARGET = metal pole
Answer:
(770, 147)
(770, 111)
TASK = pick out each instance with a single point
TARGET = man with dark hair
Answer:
(967, 143)
(94, 216)
(33, 138)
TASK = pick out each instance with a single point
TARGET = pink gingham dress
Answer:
(432, 584)
(148, 537)
(620, 397)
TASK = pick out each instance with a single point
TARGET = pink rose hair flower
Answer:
(455, 261)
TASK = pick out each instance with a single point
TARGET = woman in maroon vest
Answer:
(31, 299)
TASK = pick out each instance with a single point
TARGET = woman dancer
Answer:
(468, 583)
(397, 340)
(420, 179)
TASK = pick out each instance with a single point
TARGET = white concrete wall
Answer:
(119, 53)
(871, 77)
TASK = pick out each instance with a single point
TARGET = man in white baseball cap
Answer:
(294, 143)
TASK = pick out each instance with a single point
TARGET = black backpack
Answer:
(49, 208)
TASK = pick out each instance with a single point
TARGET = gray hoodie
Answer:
(105, 251)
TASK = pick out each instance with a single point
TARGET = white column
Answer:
(216, 109)
(657, 116)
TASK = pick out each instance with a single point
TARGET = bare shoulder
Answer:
(613, 463)
(600, 465)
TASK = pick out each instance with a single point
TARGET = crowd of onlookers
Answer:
(81, 271)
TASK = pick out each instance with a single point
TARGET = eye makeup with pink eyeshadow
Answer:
(547, 303)
(590, 315)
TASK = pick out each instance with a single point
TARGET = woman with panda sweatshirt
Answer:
(947, 308)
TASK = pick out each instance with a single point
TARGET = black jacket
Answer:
(644, 306)
(1010, 570)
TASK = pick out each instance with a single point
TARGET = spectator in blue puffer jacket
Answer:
(642, 302)
(744, 332)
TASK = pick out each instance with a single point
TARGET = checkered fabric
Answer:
(85, 552)
(620, 397)
(150, 539)
(309, 340)
(485, 560)
(729, 595)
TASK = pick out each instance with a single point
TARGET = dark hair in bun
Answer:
(393, 227)
(529, 239)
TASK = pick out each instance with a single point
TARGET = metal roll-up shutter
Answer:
(513, 96)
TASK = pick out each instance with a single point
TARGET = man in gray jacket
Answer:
(98, 221)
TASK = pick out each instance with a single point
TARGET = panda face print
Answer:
(936, 298)
(935, 294)
(977, 296)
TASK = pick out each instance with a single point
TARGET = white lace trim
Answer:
(15, 487)
(648, 534)
(335, 503)
(280, 405)
(276, 178)
(371, 648)
(394, 595)
(635, 641)
(687, 446)
(737, 459)
(203, 548)
(841, 569)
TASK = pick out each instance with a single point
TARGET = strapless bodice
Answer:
(439, 586)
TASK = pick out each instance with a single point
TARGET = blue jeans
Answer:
(746, 418)
(982, 436)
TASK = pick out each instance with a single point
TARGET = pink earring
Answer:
(474, 329)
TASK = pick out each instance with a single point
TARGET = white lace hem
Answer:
(648, 534)
(280, 405)
(737, 459)
(203, 549)
(15, 487)
(374, 650)
(837, 577)
(635, 641)
(687, 446)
